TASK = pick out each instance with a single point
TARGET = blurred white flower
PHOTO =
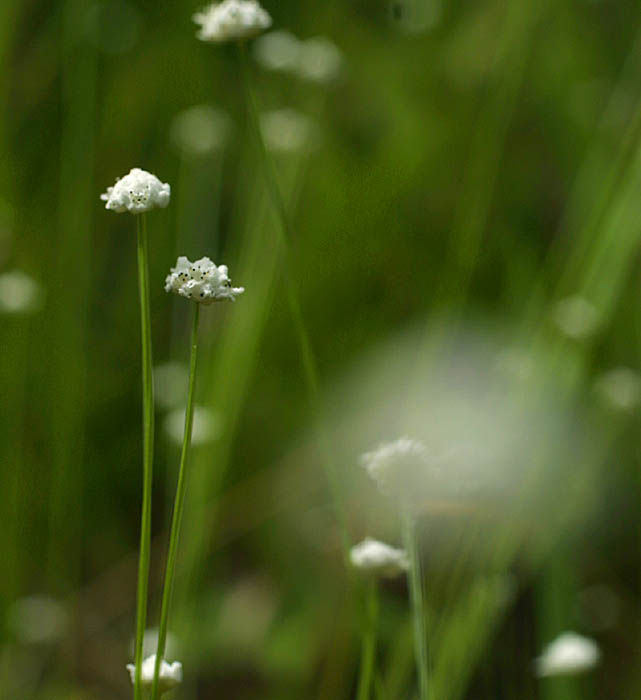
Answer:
(394, 466)
(201, 130)
(569, 653)
(378, 558)
(620, 388)
(170, 384)
(320, 60)
(202, 281)
(37, 619)
(19, 293)
(169, 677)
(150, 643)
(278, 51)
(137, 192)
(287, 131)
(205, 428)
(576, 317)
(231, 20)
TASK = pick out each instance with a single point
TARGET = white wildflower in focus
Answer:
(568, 654)
(397, 466)
(278, 51)
(170, 384)
(379, 559)
(201, 130)
(576, 317)
(202, 281)
(169, 677)
(19, 293)
(231, 20)
(137, 192)
(287, 131)
(37, 619)
(320, 60)
(619, 388)
(205, 428)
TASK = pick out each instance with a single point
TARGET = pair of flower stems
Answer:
(148, 440)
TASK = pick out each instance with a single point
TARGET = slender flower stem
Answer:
(178, 505)
(418, 604)
(368, 649)
(310, 366)
(148, 449)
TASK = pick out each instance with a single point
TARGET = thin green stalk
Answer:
(148, 449)
(310, 366)
(368, 649)
(418, 604)
(178, 505)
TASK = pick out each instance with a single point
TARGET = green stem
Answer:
(178, 505)
(148, 449)
(310, 366)
(418, 604)
(368, 649)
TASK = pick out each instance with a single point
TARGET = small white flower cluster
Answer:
(19, 293)
(378, 559)
(201, 281)
(288, 131)
(137, 192)
(569, 653)
(317, 59)
(231, 20)
(201, 130)
(396, 466)
(170, 675)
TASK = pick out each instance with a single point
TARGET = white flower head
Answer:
(378, 559)
(569, 653)
(205, 429)
(137, 192)
(201, 130)
(576, 317)
(619, 388)
(396, 466)
(19, 294)
(288, 131)
(320, 60)
(170, 675)
(201, 281)
(231, 20)
(278, 51)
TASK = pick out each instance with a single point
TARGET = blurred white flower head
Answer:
(576, 317)
(378, 559)
(287, 131)
(317, 59)
(205, 428)
(169, 677)
(569, 653)
(231, 20)
(619, 388)
(278, 51)
(395, 465)
(201, 130)
(150, 643)
(137, 192)
(19, 293)
(170, 382)
(202, 281)
(37, 619)
(320, 60)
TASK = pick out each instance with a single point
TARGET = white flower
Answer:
(378, 558)
(205, 428)
(620, 388)
(19, 294)
(201, 130)
(201, 281)
(137, 192)
(320, 60)
(568, 653)
(169, 677)
(397, 466)
(231, 19)
(576, 317)
(287, 131)
(278, 51)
